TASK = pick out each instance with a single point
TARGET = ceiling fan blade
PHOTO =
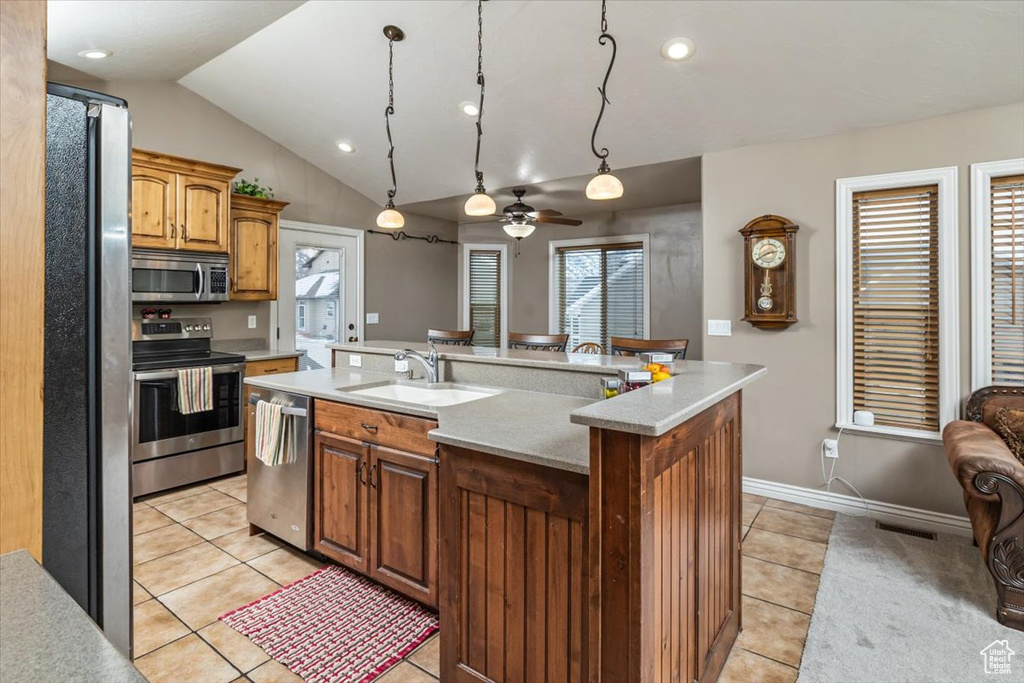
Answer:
(546, 212)
(558, 221)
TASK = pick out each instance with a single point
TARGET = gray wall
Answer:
(412, 285)
(676, 267)
(788, 413)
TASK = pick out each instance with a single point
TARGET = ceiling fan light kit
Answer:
(519, 230)
(479, 203)
(604, 185)
(390, 218)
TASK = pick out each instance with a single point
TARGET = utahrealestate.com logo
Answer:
(997, 657)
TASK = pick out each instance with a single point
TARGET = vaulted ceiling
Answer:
(762, 72)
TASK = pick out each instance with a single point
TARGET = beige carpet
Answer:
(896, 608)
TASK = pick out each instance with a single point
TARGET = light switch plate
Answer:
(252, 322)
(401, 366)
(719, 328)
(372, 318)
(355, 361)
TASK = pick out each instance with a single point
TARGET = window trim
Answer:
(301, 313)
(464, 294)
(981, 264)
(949, 297)
(554, 283)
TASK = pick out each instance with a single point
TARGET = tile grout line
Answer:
(779, 564)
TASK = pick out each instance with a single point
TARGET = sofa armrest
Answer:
(973, 449)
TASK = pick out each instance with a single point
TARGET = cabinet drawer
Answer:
(270, 367)
(375, 426)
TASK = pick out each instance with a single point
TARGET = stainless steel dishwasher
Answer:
(280, 499)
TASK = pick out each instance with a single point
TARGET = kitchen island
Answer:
(561, 537)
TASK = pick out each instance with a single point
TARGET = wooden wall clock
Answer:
(769, 291)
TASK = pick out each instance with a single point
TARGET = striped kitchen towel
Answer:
(275, 435)
(195, 390)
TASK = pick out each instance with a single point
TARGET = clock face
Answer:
(768, 253)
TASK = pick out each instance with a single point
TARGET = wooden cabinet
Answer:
(179, 203)
(341, 501)
(375, 508)
(253, 247)
(271, 366)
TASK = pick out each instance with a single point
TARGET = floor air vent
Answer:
(906, 531)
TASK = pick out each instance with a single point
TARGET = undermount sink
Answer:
(434, 395)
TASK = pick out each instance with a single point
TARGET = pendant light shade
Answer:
(519, 230)
(604, 186)
(391, 219)
(480, 204)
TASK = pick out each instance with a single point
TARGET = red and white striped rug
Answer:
(335, 626)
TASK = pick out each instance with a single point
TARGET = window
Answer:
(997, 253)
(485, 299)
(329, 311)
(599, 289)
(300, 315)
(897, 300)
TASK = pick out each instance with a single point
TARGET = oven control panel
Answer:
(218, 280)
(179, 328)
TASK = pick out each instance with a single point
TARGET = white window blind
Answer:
(600, 292)
(485, 296)
(895, 306)
(1006, 279)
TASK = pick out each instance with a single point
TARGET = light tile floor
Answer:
(195, 560)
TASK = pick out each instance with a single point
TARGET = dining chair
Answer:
(538, 342)
(624, 346)
(450, 337)
(588, 347)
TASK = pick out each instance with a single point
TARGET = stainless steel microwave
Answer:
(186, 277)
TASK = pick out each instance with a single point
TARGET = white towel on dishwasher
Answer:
(275, 435)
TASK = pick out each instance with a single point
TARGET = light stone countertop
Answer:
(46, 636)
(522, 425)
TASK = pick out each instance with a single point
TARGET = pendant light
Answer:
(390, 217)
(604, 185)
(480, 203)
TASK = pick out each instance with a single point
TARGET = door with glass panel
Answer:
(485, 293)
(320, 291)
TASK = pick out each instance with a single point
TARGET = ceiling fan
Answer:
(519, 216)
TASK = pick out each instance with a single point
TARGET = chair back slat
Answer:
(450, 337)
(588, 347)
(624, 346)
(538, 342)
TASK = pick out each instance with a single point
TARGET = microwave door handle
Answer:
(199, 270)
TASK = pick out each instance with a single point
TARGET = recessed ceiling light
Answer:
(95, 54)
(469, 109)
(678, 49)
(346, 147)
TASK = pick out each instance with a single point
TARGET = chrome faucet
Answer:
(429, 363)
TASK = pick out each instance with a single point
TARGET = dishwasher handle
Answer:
(287, 410)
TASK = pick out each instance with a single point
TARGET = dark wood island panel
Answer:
(514, 566)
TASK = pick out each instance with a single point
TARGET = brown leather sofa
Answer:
(993, 481)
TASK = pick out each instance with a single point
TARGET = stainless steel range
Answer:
(168, 448)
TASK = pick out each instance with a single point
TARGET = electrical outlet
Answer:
(831, 448)
(401, 366)
(372, 318)
(719, 328)
(355, 361)
(252, 322)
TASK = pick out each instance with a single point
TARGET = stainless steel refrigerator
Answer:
(87, 368)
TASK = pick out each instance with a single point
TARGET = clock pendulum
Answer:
(765, 302)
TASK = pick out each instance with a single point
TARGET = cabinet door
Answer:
(253, 255)
(403, 523)
(340, 504)
(202, 213)
(153, 208)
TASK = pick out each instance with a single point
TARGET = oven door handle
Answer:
(173, 374)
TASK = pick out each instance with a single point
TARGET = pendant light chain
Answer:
(480, 81)
(388, 112)
(603, 39)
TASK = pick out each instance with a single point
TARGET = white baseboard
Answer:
(885, 512)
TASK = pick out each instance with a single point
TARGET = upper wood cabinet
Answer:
(253, 247)
(180, 203)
